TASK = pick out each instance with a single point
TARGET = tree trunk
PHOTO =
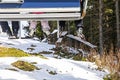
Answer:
(117, 23)
(100, 27)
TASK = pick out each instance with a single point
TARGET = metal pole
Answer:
(58, 28)
(20, 32)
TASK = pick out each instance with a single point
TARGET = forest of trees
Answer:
(102, 24)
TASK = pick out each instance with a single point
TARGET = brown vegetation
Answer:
(25, 66)
(108, 60)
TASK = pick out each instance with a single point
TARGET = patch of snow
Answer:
(24, 44)
(66, 69)
(54, 31)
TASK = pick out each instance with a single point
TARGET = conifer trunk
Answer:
(117, 23)
(100, 27)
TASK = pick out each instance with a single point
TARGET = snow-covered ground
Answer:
(25, 44)
(66, 69)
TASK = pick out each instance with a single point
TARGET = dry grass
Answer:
(111, 61)
(108, 60)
